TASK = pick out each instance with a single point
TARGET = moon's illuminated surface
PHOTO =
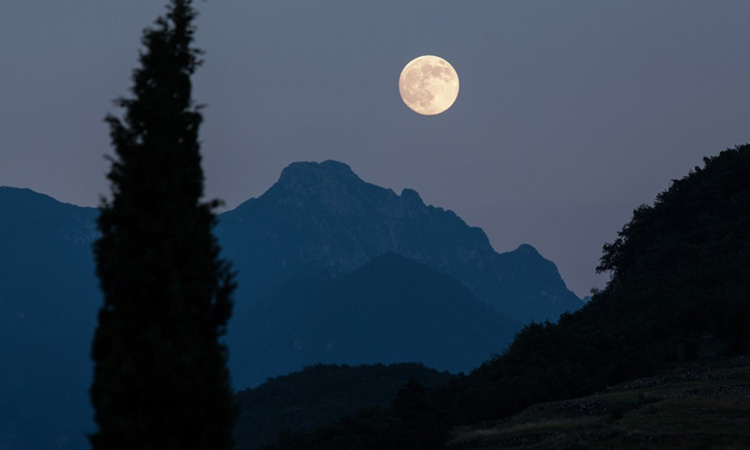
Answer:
(428, 85)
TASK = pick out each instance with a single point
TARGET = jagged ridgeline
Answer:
(322, 217)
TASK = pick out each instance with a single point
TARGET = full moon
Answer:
(428, 85)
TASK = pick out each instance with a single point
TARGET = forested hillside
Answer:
(680, 290)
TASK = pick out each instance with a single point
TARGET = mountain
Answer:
(48, 302)
(391, 309)
(321, 217)
(320, 221)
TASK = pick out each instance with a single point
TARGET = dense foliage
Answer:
(679, 291)
(412, 423)
(684, 261)
(160, 377)
(319, 394)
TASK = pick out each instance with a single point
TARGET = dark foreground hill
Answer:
(319, 394)
(691, 406)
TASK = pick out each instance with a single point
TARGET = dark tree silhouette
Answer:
(160, 377)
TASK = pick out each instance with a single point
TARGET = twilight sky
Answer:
(570, 113)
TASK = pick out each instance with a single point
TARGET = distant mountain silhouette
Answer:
(320, 221)
(391, 309)
(48, 302)
(322, 217)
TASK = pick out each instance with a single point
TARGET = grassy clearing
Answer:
(690, 407)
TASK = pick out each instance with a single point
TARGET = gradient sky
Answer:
(570, 114)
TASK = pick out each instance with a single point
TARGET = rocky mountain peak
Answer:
(331, 189)
(526, 249)
(307, 177)
(411, 197)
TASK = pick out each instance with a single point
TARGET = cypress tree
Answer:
(160, 376)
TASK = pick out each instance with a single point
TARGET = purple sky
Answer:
(570, 114)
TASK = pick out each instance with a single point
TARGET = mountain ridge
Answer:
(324, 215)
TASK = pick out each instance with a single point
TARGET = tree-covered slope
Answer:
(680, 290)
(321, 393)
